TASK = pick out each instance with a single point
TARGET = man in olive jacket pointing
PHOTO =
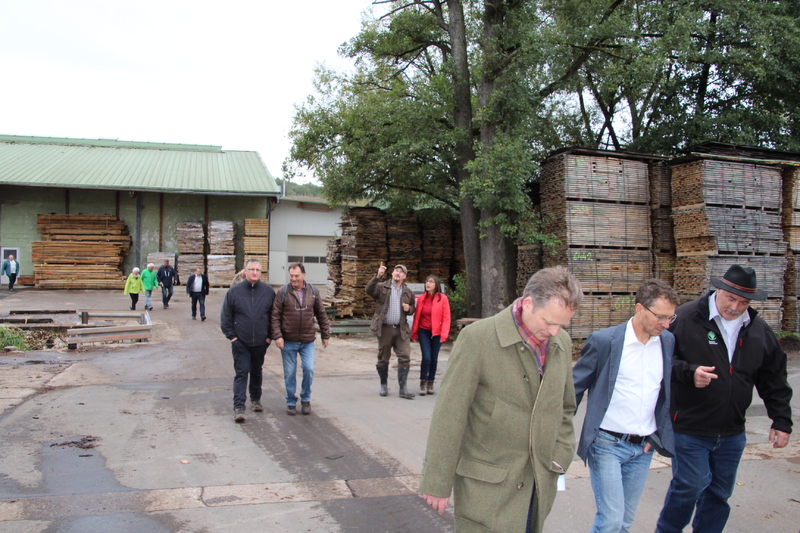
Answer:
(501, 432)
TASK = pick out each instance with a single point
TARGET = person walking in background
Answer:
(296, 305)
(245, 320)
(149, 281)
(395, 303)
(134, 287)
(197, 289)
(501, 432)
(722, 349)
(10, 269)
(627, 369)
(167, 277)
(431, 328)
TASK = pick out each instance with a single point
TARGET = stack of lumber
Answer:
(661, 221)
(725, 213)
(405, 244)
(191, 237)
(364, 247)
(529, 261)
(80, 252)
(459, 263)
(334, 261)
(221, 270)
(790, 217)
(599, 210)
(188, 263)
(220, 237)
(437, 248)
(256, 243)
(791, 293)
(158, 258)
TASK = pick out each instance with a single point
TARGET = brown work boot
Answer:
(422, 385)
(305, 408)
(430, 388)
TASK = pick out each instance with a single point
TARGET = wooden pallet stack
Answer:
(80, 252)
(661, 221)
(459, 263)
(529, 261)
(191, 238)
(221, 261)
(256, 243)
(437, 247)
(334, 262)
(728, 212)
(405, 244)
(599, 210)
(790, 217)
(364, 247)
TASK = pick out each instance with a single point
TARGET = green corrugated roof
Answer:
(112, 165)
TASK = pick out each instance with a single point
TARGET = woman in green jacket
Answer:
(134, 286)
(150, 281)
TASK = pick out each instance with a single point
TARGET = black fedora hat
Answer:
(741, 281)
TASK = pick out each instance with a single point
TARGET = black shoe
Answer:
(238, 415)
(203, 319)
(256, 406)
(291, 410)
(306, 408)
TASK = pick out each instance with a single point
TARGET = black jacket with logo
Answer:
(718, 410)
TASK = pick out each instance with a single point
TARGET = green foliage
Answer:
(13, 337)
(300, 189)
(458, 297)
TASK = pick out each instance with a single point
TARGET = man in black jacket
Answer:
(197, 289)
(722, 349)
(167, 276)
(245, 321)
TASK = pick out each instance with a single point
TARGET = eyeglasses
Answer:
(253, 270)
(662, 319)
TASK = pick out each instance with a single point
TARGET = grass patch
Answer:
(13, 337)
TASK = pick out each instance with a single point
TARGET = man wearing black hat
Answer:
(722, 349)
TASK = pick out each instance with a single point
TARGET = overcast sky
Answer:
(193, 72)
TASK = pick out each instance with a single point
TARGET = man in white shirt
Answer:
(197, 289)
(626, 369)
(10, 269)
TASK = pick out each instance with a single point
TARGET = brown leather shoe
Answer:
(291, 410)
(305, 408)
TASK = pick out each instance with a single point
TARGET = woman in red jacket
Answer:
(431, 327)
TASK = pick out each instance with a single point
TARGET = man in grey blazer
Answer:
(627, 370)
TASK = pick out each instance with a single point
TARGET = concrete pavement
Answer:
(140, 438)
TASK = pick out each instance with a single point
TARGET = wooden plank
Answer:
(109, 329)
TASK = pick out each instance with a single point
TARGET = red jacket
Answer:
(440, 316)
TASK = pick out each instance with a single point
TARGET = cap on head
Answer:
(740, 281)
(403, 268)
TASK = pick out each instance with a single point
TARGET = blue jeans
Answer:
(198, 297)
(247, 362)
(289, 354)
(147, 298)
(618, 471)
(429, 345)
(166, 294)
(703, 474)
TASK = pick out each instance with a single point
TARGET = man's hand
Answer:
(703, 376)
(325, 342)
(647, 447)
(406, 307)
(779, 439)
(381, 270)
(279, 343)
(234, 339)
(437, 503)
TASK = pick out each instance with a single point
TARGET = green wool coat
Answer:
(498, 431)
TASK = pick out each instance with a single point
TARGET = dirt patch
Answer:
(85, 443)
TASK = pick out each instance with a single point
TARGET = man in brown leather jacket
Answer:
(395, 302)
(296, 305)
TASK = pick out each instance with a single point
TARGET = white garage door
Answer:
(310, 251)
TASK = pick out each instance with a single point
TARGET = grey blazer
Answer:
(597, 370)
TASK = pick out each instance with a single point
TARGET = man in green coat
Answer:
(501, 432)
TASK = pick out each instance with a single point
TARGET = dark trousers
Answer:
(198, 297)
(166, 294)
(134, 299)
(391, 338)
(12, 278)
(429, 345)
(247, 362)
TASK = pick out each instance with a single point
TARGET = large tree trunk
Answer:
(498, 269)
(462, 117)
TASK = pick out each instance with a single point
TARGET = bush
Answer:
(458, 297)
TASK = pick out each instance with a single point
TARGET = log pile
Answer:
(790, 218)
(599, 210)
(364, 247)
(405, 245)
(220, 237)
(80, 252)
(726, 213)
(334, 261)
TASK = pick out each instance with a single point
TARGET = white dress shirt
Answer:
(728, 328)
(633, 402)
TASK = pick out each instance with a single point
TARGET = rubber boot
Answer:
(402, 379)
(383, 373)
(423, 386)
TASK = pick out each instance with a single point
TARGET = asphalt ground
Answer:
(140, 437)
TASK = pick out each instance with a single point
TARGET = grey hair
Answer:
(554, 282)
(653, 289)
(150, 265)
(251, 261)
(135, 270)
